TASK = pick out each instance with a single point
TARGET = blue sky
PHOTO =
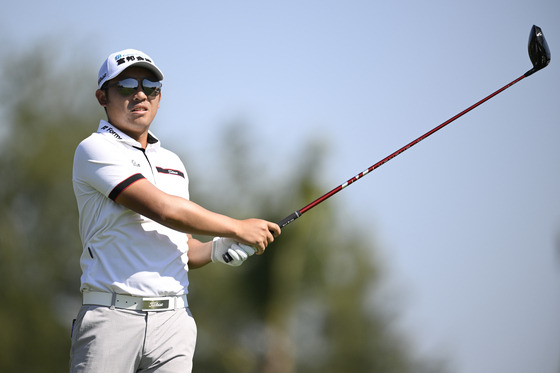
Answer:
(468, 220)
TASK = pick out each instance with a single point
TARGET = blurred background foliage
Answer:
(310, 304)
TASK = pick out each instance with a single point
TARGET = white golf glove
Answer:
(238, 251)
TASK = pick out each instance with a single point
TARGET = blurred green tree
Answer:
(305, 306)
(45, 116)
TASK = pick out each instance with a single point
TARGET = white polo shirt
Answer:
(125, 252)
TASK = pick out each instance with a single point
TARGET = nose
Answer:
(139, 95)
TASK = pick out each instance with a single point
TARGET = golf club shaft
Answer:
(296, 214)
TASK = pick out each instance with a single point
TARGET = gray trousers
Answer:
(108, 340)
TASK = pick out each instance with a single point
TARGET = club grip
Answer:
(282, 223)
(227, 258)
(288, 219)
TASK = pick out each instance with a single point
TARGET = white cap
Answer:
(117, 62)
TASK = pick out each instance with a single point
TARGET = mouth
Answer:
(139, 109)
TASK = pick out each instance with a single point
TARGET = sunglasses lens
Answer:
(151, 88)
(127, 87)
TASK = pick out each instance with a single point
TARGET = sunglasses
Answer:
(129, 86)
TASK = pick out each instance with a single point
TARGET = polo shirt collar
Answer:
(108, 129)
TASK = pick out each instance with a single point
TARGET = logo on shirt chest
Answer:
(170, 171)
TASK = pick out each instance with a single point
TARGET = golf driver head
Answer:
(539, 53)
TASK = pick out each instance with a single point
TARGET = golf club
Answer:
(539, 53)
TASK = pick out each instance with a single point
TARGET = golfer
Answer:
(136, 224)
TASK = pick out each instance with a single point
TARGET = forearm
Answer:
(186, 216)
(200, 253)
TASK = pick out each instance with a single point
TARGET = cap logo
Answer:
(120, 59)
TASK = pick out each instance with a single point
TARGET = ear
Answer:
(101, 97)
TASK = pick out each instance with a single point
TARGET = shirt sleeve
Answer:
(105, 166)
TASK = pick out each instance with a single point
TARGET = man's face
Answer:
(131, 114)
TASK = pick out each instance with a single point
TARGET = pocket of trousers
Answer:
(72, 330)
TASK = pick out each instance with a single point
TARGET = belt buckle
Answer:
(155, 304)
